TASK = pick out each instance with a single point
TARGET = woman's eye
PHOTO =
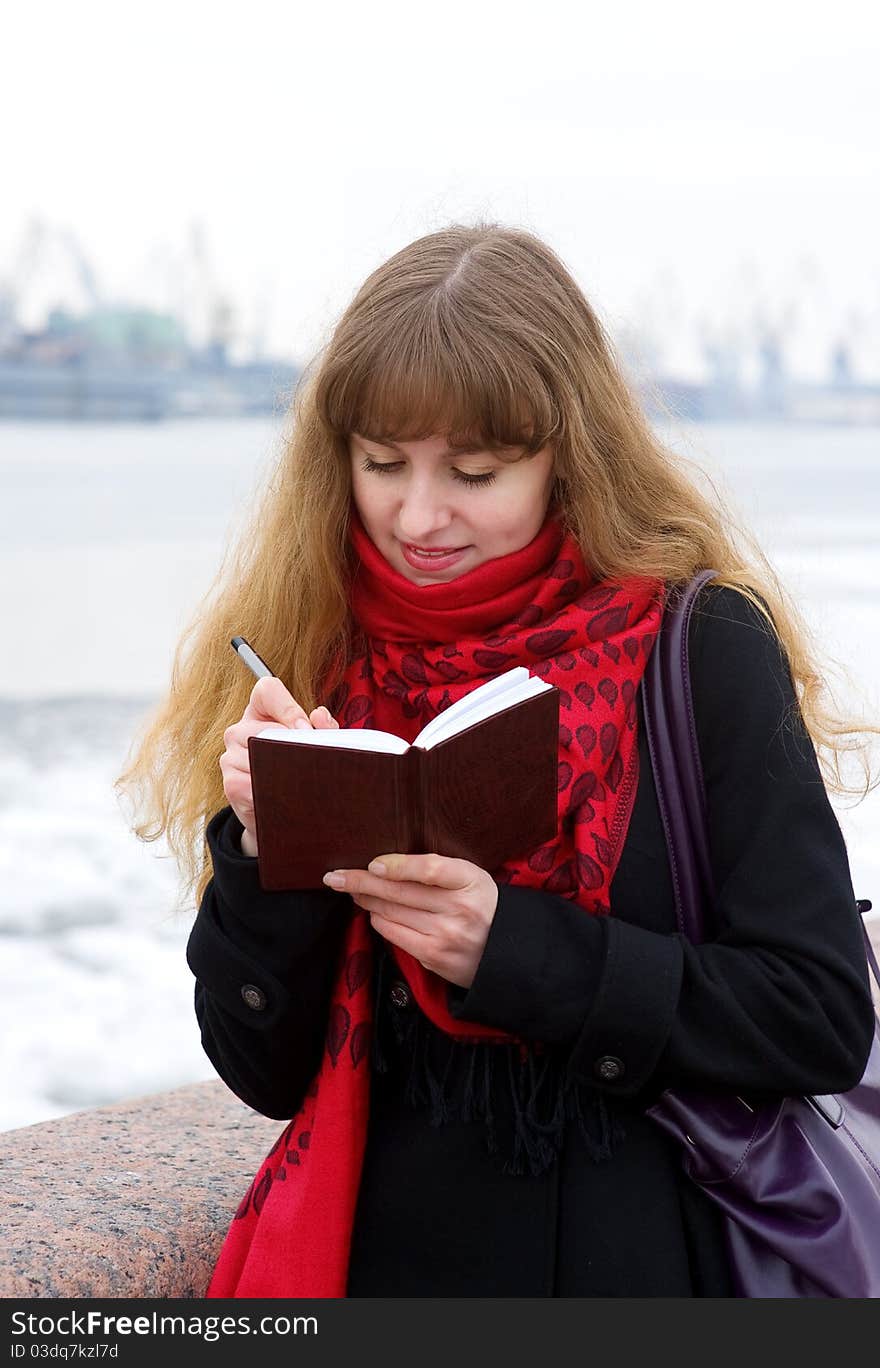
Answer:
(388, 466)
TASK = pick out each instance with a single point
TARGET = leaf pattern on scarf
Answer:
(584, 787)
(614, 772)
(563, 880)
(585, 693)
(608, 623)
(412, 668)
(608, 689)
(599, 597)
(541, 860)
(586, 737)
(244, 1205)
(608, 740)
(355, 713)
(261, 1191)
(395, 685)
(547, 643)
(603, 848)
(496, 662)
(357, 970)
(589, 872)
(563, 569)
(449, 671)
(359, 1042)
(282, 1139)
(337, 1030)
(628, 694)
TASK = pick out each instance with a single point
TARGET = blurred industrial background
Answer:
(70, 349)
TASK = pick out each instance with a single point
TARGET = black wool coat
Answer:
(485, 1176)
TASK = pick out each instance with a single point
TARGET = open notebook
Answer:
(479, 782)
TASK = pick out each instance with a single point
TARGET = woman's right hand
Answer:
(269, 702)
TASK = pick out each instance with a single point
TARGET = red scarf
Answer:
(423, 648)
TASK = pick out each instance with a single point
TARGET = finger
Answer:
(415, 918)
(412, 895)
(235, 762)
(236, 739)
(412, 941)
(441, 870)
(271, 701)
(320, 717)
(238, 789)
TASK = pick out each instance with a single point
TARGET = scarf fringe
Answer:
(542, 1097)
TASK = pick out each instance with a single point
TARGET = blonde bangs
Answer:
(428, 373)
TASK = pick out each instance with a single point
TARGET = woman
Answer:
(464, 1056)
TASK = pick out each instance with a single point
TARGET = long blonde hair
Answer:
(476, 332)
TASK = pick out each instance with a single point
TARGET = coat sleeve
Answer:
(779, 1000)
(264, 966)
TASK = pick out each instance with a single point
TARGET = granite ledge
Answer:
(128, 1200)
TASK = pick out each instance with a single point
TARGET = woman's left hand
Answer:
(437, 909)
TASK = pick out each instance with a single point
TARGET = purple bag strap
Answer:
(678, 772)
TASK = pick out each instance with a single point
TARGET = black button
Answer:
(399, 994)
(609, 1068)
(253, 996)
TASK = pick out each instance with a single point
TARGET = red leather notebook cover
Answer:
(487, 794)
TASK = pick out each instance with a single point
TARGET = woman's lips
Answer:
(419, 560)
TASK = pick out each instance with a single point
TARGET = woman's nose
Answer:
(422, 511)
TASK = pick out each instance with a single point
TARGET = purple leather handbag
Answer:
(797, 1179)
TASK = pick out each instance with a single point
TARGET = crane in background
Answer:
(208, 312)
(49, 269)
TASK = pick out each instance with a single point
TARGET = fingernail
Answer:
(300, 723)
(335, 880)
(377, 867)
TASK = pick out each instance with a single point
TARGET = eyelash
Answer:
(473, 480)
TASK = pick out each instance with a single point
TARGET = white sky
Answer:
(688, 161)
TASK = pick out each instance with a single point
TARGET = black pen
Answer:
(250, 658)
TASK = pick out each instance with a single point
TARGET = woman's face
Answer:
(415, 494)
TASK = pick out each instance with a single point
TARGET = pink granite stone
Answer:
(129, 1200)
